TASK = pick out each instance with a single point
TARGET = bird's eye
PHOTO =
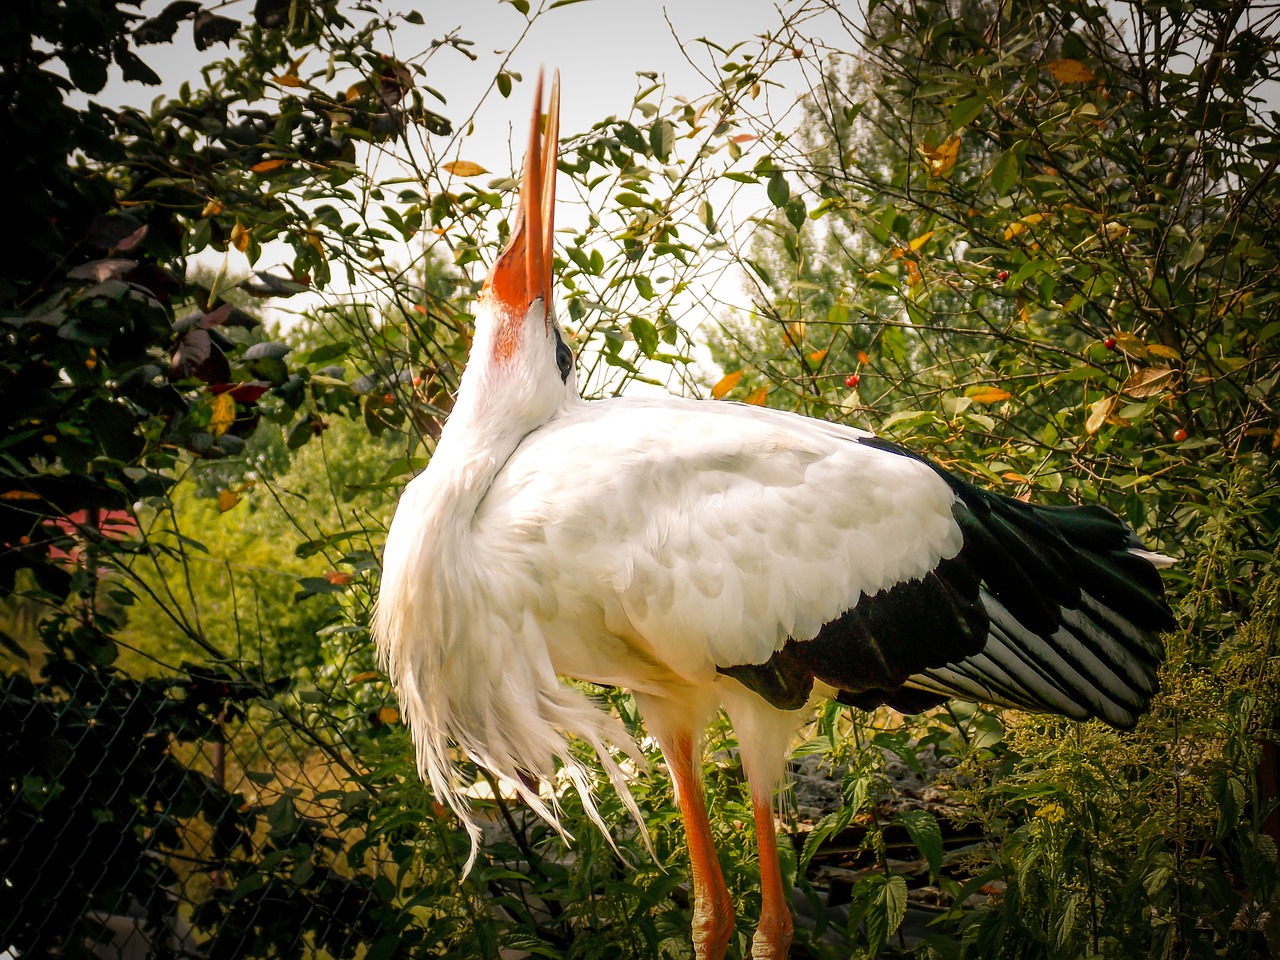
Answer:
(564, 357)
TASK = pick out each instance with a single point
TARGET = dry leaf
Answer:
(339, 578)
(1070, 71)
(240, 237)
(224, 414)
(464, 168)
(942, 158)
(287, 80)
(1099, 411)
(211, 209)
(364, 676)
(987, 394)
(266, 166)
(727, 383)
(19, 495)
(388, 715)
(817, 356)
(1160, 350)
(1148, 382)
(756, 396)
(227, 499)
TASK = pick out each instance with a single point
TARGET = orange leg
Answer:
(712, 908)
(773, 936)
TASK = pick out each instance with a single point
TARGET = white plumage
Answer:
(706, 554)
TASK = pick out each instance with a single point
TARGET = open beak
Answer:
(522, 273)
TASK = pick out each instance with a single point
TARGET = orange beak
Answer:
(522, 273)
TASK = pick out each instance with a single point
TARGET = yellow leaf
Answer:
(1021, 226)
(1131, 345)
(942, 158)
(266, 166)
(240, 237)
(227, 499)
(1070, 71)
(920, 241)
(793, 334)
(224, 414)
(365, 676)
(756, 396)
(1160, 350)
(1148, 382)
(288, 80)
(987, 394)
(1014, 477)
(313, 241)
(211, 209)
(727, 383)
(1099, 411)
(388, 715)
(817, 356)
(1114, 230)
(19, 495)
(464, 168)
(358, 90)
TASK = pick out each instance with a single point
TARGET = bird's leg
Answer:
(712, 908)
(773, 937)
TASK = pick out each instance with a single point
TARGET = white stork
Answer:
(707, 554)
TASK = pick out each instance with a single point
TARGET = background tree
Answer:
(1040, 237)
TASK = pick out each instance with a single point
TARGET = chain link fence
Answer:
(194, 815)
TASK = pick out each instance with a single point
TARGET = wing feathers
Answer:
(1054, 609)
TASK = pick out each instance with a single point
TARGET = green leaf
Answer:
(646, 335)
(779, 190)
(662, 135)
(965, 111)
(504, 79)
(1005, 173)
(796, 212)
(926, 835)
(631, 138)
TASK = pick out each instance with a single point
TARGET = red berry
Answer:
(1109, 343)
(851, 380)
(389, 397)
(1002, 276)
(1179, 435)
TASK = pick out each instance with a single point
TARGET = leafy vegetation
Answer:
(1034, 240)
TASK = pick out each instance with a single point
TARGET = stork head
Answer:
(516, 324)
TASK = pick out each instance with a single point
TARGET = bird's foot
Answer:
(712, 927)
(772, 940)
